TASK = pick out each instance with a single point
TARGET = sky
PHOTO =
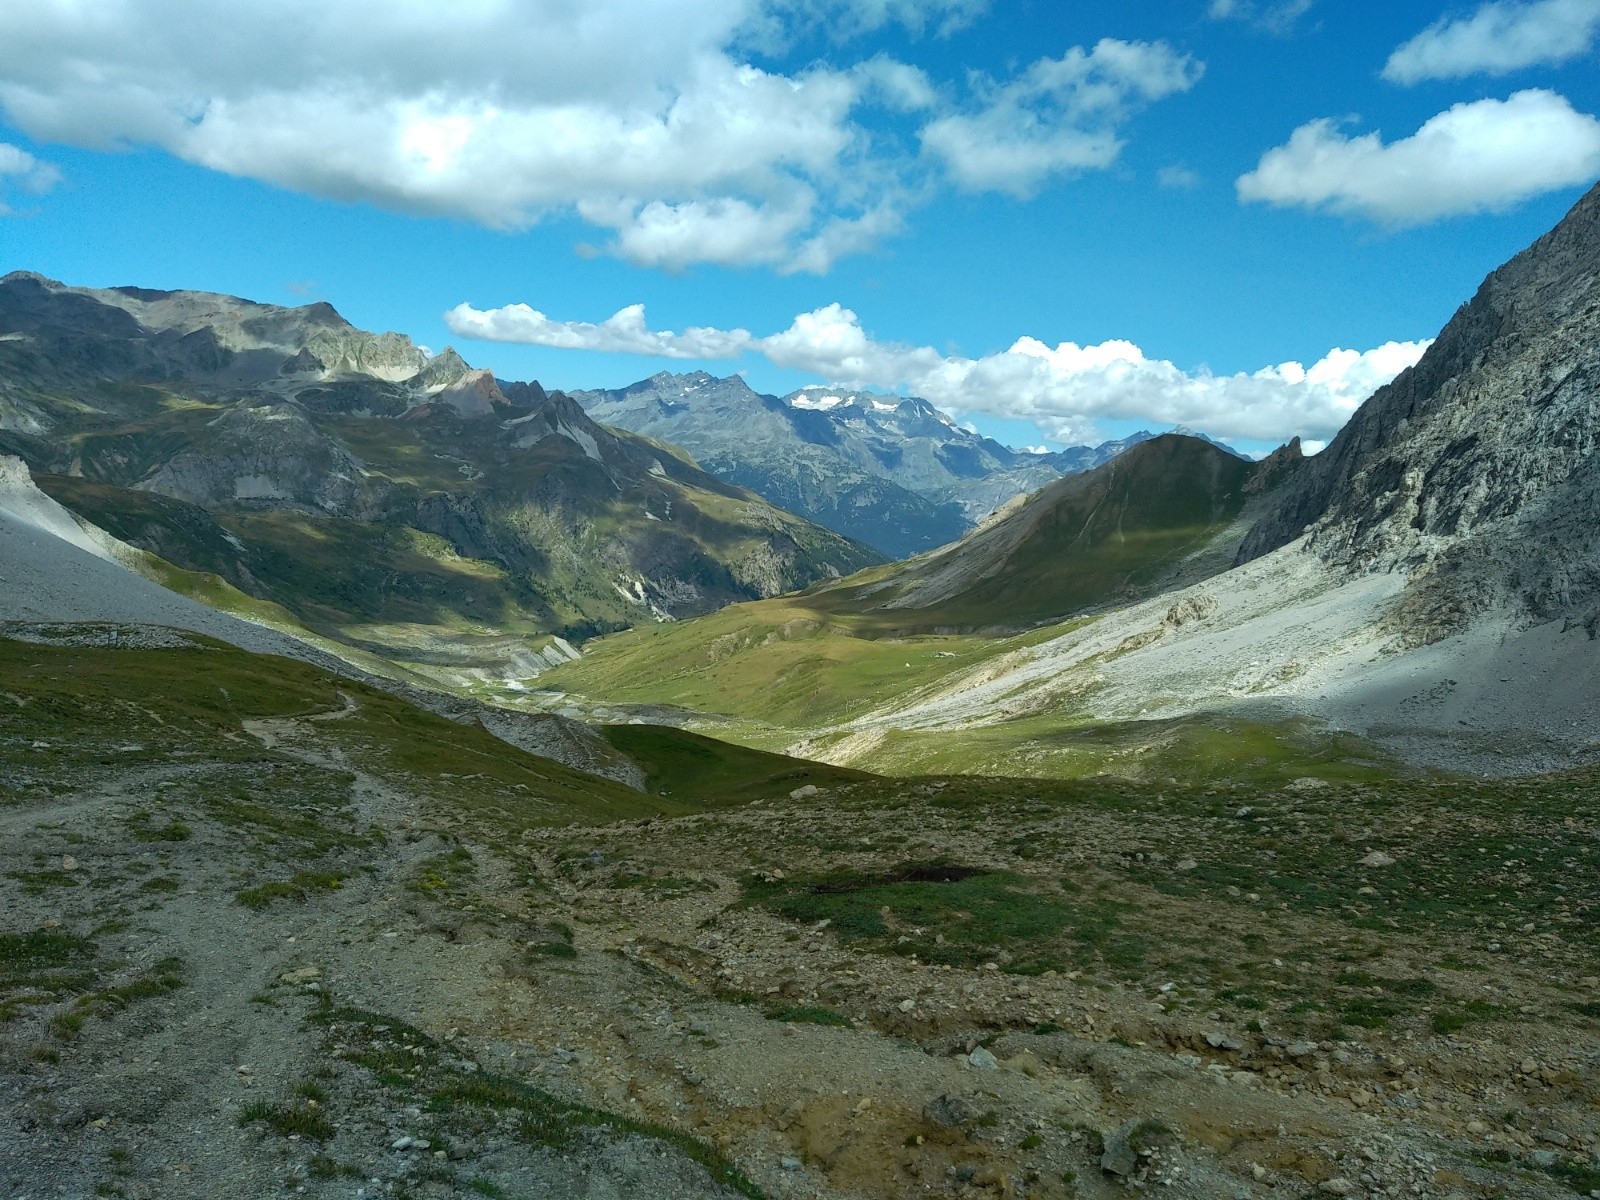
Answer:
(1058, 221)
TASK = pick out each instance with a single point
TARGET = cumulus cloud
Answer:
(1500, 37)
(623, 333)
(637, 114)
(645, 118)
(22, 172)
(1481, 156)
(1058, 117)
(1062, 389)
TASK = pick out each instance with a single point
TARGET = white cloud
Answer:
(1486, 155)
(778, 22)
(1058, 117)
(1279, 18)
(1063, 389)
(623, 333)
(637, 114)
(25, 173)
(1178, 176)
(644, 118)
(1500, 37)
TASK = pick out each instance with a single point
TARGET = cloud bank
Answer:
(643, 118)
(1497, 39)
(1062, 389)
(1474, 157)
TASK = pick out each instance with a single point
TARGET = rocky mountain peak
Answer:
(1477, 465)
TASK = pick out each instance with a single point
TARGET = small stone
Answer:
(1377, 859)
(1477, 1128)
(302, 975)
(400, 1143)
(805, 792)
(1554, 1137)
(1300, 1049)
(789, 1164)
(1529, 1066)
(1543, 1159)
(983, 1060)
(1186, 864)
(1337, 1187)
(907, 1005)
(1223, 1041)
(68, 863)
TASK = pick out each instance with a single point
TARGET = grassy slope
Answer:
(64, 703)
(1083, 541)
(542, 534)
(679, 763)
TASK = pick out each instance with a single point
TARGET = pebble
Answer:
(1377, 859)
(907, 1005)
(1223, 1041)
(983, 1060)
(789, 1164)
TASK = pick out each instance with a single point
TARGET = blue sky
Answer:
(1058, 221)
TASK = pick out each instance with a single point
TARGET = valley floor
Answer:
(280, 962)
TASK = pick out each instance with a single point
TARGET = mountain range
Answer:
(407, 505)
(1154, 835)
(891, 471)
(1428, 581)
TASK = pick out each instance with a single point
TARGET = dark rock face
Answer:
(1476, 468)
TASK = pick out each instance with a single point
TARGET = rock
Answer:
(907, 1005)
(1300, 1049)
(1132, 1140)
(805, 792)
(1554, 1137)
(951, 1112)
(1337, 1186)
(1223, 1041)
(1377, 859)
(68, 863)
(1477, 1128)
(302, 975)
(789, 1164)
(1186, 864)
(1543, 1159)
(983, 1060)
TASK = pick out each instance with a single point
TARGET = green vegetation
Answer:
(289, 1120)
(43, 967)
(71, 706)
(301, 885)
(683, 764)
(950, 914)
(807, 1014)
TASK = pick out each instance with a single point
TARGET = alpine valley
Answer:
(415, 783)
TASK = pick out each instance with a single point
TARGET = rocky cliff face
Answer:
(373, 491)
(1476, 469)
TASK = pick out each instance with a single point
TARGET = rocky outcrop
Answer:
(1475, 470)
